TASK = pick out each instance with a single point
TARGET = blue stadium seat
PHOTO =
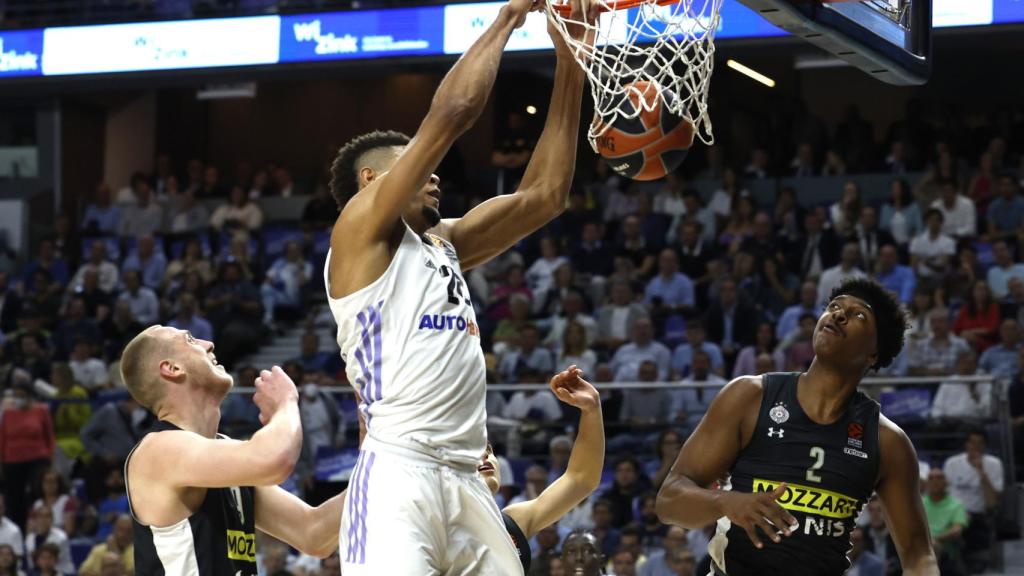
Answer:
(275, 238)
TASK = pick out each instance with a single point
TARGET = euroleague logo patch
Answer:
(855, 440)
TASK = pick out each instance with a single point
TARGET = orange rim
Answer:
(565, 9)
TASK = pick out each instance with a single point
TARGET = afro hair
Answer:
(890, 318)
(344, 172)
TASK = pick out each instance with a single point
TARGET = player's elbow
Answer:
(277, 466)
(457, 115)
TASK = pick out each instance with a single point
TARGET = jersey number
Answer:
(454, 286)
(818, 453)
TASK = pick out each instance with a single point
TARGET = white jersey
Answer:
(411, 347)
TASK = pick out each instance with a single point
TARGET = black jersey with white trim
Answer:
(830, 471)
(219, 539)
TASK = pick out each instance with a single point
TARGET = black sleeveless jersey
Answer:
(830, 471)
(218, 540)
(519, 539)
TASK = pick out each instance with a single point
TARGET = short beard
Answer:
(431, 215)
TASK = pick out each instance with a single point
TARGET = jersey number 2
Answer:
(818, 453)
(454, 286)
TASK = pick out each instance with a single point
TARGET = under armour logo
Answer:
(772, 433)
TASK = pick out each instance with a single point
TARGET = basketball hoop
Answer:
(670, 43)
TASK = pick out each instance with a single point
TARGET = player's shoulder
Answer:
(154, 447)
(742, 391)
(893, 443)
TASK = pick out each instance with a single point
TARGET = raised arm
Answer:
(495, 225)
(687, 498)
(901, 497)
(266, 459)
(312, 531)
(371, 215)
(583, 473)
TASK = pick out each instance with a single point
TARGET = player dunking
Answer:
(406, 327)
(197, 498)
(805, 452)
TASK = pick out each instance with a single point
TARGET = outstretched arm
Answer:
(371, 216)
(898, 490)
(583, 473)
(495, 225)
(309, 530)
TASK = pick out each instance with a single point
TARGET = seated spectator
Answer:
(141, 299)
(635, 247)
(10, 535)
(114, 503)
(43, 538)
(546, 549)
(643, 347)
(211, 185)
(591, 256)
(682, 357)
(147, 260)
(1013, 305)
(617, 318)
(878, 540)
(48, 260)
(936, 355)
(322, 426)
(959, 219)
(978, 319)
(730, 321)
(623, 562)
(644, 407)
(764, 343)
(89, 371)
(9, 561)
(797, 348)
(846, 211)
(863, 562)
(976, 481)
(739, 225)
(145, 217)
(531, 407)
(71, 412)
(816, 251)
(187, 318)
(693, 252)
(894, 276)
(508, 329)
(53, 493)
(869, 237)
(98, 262)
(32, 356)
(626, 488)
(102, 216)
(808, 304)
(26, 435)
(962, 400)
(98, 302)
(285, 282)
(901, 216)
(573, 312)
(498, 306)
(283, 184)
(42, 305)
(1001, 360)
(669, 292)
(191, 260)
(771, 288)
(314, 360)
(540, 276)
(526, 354)
(573, 350)
(189, 216)
(583, 552)
(1004, 269)
(931, 251)
(690, 404)
(321, 212)
(238, 213)
(659, 562)
(845, 270)
(109, 435)
(946, 522)
(653, 225)
(666, 450)
(1006, 211)
(118, 329)
(239, 415)
(233, 308)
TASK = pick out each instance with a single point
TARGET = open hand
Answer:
(570, 387)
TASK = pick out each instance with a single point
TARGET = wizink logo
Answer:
(14, 61)
(325, 43)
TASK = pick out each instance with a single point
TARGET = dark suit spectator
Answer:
(46, 259)
(592, 256)
(878, 541)
(233, 307)
(870, 237)
(102, 216)
(761, 243)
(635, 246)
(74, 326)
(816, 251)
(730, 322)
(10, 306)
(627, 487)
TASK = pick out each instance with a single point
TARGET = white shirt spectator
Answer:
(249, 214)
(960, 220)
(10, 534)
(144, 305)
(142, 221)
(289, 275)
(91, 372)
(925, 247)
(955, 400)
(57, 537)
(965, 481)
(833, 277)
(107, 271)
(540, 276)
(586, 362)
(523, 403)
(558, 324)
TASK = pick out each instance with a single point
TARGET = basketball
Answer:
(649, 145)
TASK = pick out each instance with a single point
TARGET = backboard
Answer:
(888, 39)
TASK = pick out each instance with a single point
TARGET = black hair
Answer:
(344, 172)
(890, 318)
(932, 212)
(975, 431)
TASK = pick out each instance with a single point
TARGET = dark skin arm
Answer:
(900, 494)
(687, 498)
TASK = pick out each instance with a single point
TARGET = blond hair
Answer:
(141, 376)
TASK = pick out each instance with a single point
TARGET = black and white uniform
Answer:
(218, 540)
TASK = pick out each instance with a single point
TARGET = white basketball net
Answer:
(670, 43)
